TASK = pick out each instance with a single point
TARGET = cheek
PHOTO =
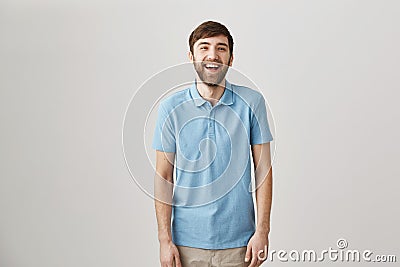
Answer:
(227, 59)
(199, 56)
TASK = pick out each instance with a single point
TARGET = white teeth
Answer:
(211, 66)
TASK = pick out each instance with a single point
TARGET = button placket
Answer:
(211, 124)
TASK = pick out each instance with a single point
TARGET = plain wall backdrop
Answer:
(329, 71)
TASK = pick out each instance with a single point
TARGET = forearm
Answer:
(264, 201)
(163, 214)
(163, 190)
(163, 199)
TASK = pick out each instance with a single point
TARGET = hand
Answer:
(169, 253)
(257, 249)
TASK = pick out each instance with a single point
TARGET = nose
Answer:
(212, 54)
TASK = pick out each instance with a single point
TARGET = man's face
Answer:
(211, 59)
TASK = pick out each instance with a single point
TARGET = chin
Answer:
(212, 84)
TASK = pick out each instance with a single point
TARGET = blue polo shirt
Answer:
(212, 201)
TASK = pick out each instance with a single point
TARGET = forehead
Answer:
(215, 40)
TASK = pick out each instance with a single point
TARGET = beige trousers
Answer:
(197, 257)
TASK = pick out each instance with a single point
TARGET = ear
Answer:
(190, 56)
(231, 60)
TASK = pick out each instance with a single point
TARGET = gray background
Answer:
(329, 70)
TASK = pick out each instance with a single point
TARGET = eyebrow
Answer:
(207, 43)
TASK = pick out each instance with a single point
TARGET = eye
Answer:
(222, 49)
(203, 48)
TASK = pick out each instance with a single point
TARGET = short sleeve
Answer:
(164, 134)
(260, 132)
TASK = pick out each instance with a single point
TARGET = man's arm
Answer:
(263, 182)
(263, 177)
(163, 188)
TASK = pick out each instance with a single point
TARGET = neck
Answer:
(211, 93)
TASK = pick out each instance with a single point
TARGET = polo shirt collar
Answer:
(226, 98)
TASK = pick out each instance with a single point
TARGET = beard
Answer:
(211, 78)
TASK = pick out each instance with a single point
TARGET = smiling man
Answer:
(208, 133)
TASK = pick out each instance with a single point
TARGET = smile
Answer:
(211, 66)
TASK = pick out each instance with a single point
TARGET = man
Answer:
(206, 132)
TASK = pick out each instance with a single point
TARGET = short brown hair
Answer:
(210, 29)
